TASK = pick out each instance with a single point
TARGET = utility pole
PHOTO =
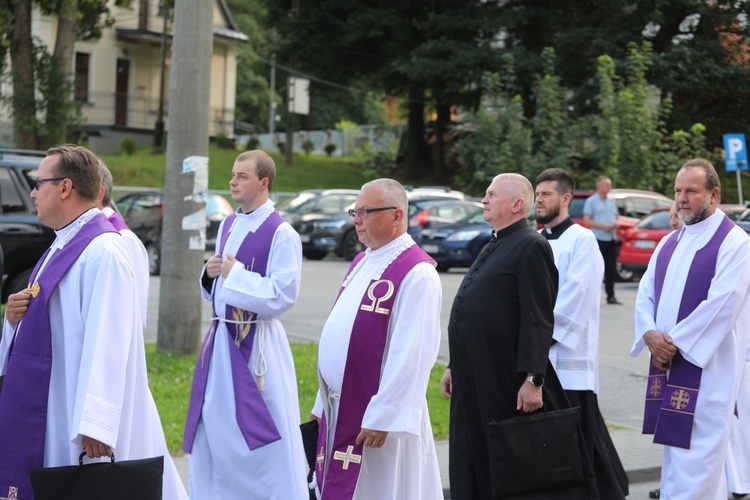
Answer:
(289, 113)
(179, 298)
(272, 98)
(159, 128)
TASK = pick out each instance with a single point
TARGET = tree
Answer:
(426, 53)
(607, 124)
(551, 140)
(700, 53)
(21, 56)
(495, 139)
(42, 106)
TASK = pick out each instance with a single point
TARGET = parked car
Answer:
(639, 242)
(143, 212)
(415, 193)
(316, 214)
(323, 227)
(457, 244)
(734, 212)
(432, 213)
(23, 237)
(632, 205)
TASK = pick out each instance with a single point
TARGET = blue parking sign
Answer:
(735, 150)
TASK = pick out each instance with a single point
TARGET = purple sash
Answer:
(253, 418)
(361, 378)
(23, 401)
(117, 222)
(671, 401)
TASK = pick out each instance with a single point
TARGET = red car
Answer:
(632, 204)
(639, 243)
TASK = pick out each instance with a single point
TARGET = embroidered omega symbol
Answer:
(374, 306)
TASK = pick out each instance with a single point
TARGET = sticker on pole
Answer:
(735, 150)
(198, 165)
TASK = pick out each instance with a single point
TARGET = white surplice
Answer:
(221, 464)
(406, 466)
(575, 356)
(714, 337)
(139, 256)
(98, 384)
(738, 448)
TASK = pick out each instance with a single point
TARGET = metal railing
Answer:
(127, 110)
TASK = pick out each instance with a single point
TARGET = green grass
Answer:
(171, 375)
(305, 172)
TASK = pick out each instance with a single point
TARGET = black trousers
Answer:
(609, 253)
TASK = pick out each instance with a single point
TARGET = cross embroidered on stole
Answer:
(347, 457)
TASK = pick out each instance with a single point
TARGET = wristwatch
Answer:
(537, 380)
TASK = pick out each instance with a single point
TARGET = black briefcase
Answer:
(126, 480)
(309, 442)
(535, 452)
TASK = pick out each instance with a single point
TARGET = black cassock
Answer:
(500, 328)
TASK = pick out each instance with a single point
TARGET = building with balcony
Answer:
(118, 78)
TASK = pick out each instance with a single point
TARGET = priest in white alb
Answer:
(135, 247)
(692, 314)
(575, 342)
(242, 429)
(376, 352)
(72, 351)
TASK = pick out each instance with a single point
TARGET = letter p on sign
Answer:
(735, 150)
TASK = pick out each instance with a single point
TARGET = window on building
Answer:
(82, 77)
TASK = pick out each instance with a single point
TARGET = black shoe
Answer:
(740, 495)
(654, 493)
(613, 300)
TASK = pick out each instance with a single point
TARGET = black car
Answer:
(318, 214)
(339, 234)
(458, 244)
(23, 237)
(433, 213)
(143, 212)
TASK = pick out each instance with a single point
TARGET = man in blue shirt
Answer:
(600, 214)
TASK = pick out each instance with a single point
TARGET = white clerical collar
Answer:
(382, 257)
(384, 252)
(65, 234)
(254, 218)
(108, 211)
(709, 222)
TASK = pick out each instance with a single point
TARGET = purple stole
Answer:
(117, 222)
(361, 377)
(23, 401)
(253, 418)
(671, 402)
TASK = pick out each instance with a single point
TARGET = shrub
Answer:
(329, 148)
(252, 143)
(224, 142)
(381, 164)
(308, 146)
(128, 146)
(282, 146)
(83, 140)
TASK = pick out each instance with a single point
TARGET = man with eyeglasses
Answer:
(73, 351)
(376, 351)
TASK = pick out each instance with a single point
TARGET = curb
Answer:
(646, 475)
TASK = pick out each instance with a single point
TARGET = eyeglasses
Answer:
(38, 182)
(364, 212)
